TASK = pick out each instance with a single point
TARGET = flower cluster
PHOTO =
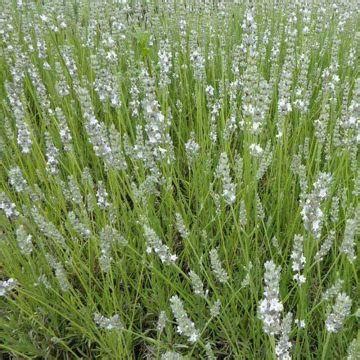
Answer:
(283, 345)
(6, 286)
(197, 284)
(162, 320)
(185, 326)
(219, 272)
(325, 247)
(192, 148)
(109, 236)
(271, 307)
(298, 258)
(311, 208)
(348, 245)
(184, 232)
(223, 173)
(16, 179)
(60, 273)
(24, 240)
(340, 312)
(165, 63)
(8, 207)
(154, 244)
(111, 323)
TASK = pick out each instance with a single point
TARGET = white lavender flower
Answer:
(79, 227)
(161, 323)
(349, 121)
(220, 273)
(275, 243)
(74, 193)
(47, 227)
(284, 103)
(247, 278)
(15, 95)
(148, 187)
(102, 196)
(165, 63)
(332, 291)
(24, 137)
(198, 64)
(217, 201)
(209, 352)
(6, 286)
(299, 169)
(106, 86)
(180, 225)
(64, 130)
(242, 213)
(134, 103)
(8, 207)
(111, 323)
(311, 205)
(215, 308)
(36, 194)
(98, 134)
(185, 326)
(159, 142)
(52, 155)
(283, 345)
(260, 212)
(325, 247)
(215, 107)
(210, 92)
(61, 85)
(340, 311)
(86, 177)
(256, 150)
(197, 284)
(265, 161)
(171, 355)
(24, 240)
(16, 179)
(60, 273)
(298, 258)
(353, 352)
(223, 173)
(115, 159)
(108, 237)
(348, 245)
(230, 128)
(300, 323)
(154, 244)
(192, 148)
(67, 55)
(270, 307)
(43, 280)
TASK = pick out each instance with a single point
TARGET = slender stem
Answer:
(324, 351)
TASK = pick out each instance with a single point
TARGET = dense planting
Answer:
(179, 179)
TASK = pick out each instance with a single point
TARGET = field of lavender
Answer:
(179, 179)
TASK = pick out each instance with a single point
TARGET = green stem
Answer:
(324, 351)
